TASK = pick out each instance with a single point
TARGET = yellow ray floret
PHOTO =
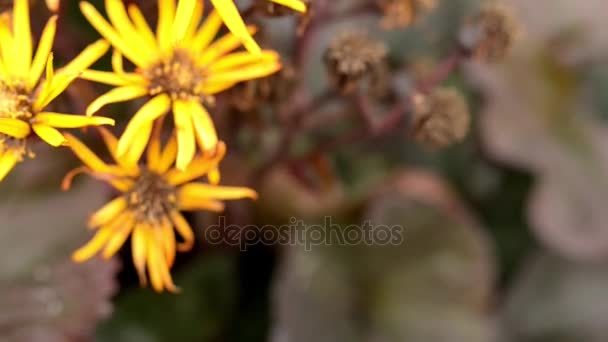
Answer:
(179, 66)
(23, 95)
(149, 207)
(233, 20)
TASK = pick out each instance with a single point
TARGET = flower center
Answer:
(14, 104)
(151, 199)
(179, 77)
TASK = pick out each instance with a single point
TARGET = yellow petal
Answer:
(153, 152)
(86, 155)
(121, 94)
(167, 157)
(122, 229)
(14, 127)
(149, 112)
(184, 230)
(141, 24)
(246, 73)
(203, 126)
(23, 36)
(239, 59)
(59, 120)
(8, 160)
(138, 145)
(46, 85)
(111, 143)
(195, 20)
(92, 247)
(198, 168)
(9, 55)
(168, 241)
(183, 16)
(117, 64)
(187, 204)
(204, 36)
(109, 139)
(163, 271)
(193, 192)
(86, 57)
(233, 20)
(166, 14)
(112, 78)
(214, 176)
(58, 85)
(49, 134)
(53, 89)
(221, 47)
(139, 246)
(295, 5)
(186, 146)
(43, 51)
(108, 212)
(158, 268)
(109, 33)
(125, 29)
(215, 88)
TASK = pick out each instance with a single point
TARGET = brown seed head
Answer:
(352, 56)
(402, 13)
(489, 35)
(440, 118)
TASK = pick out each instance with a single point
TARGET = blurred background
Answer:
(505, 234)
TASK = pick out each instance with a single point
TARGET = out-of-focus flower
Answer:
(181, 67)
(440, 118)
(148, 209)
(233, 20)
(53, 5)
(489, 35)
(23, 96)
(402, 13)
(352, 56)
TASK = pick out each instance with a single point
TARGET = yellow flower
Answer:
(233, 20)
(180, 67)
(23, 95)
(148, 209)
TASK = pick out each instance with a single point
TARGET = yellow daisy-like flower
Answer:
(180, 67)
(233, 20)
(23, 95)
(149, 208)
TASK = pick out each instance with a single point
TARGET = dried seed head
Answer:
(489, 35)
(440, 118)
(351, 57)
(250, 95)
(402, 13)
